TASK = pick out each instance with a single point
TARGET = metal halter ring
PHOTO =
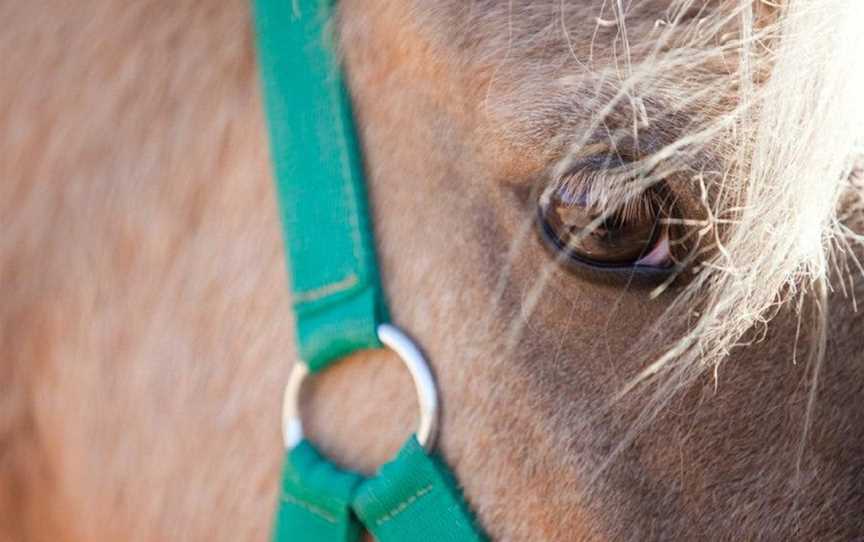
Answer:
(427, 394)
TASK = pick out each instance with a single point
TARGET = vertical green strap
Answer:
(337, 296)
(414, 498)
(322, 202)
(319, 176)
(315, 501)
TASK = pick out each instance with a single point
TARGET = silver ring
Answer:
(427, 394)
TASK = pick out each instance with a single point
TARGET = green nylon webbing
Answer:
(338, 301)
(413, 498)
(319, 179)
(315, 499)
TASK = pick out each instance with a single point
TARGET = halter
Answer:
(338, 300)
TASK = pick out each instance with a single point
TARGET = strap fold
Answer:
(414, 498)
(315, 499)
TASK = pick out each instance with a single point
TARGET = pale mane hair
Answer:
(777, 210)
(757, 104)
(788, 139)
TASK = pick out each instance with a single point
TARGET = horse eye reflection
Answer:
(622, 238)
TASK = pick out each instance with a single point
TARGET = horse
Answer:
(627, 235)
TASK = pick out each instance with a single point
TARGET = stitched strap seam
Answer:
(402, 506)
(350, 199)
(309, 507)
(329, 289)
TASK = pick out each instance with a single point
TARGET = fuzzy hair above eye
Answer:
(757, 104)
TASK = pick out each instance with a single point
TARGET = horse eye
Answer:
(633, 235)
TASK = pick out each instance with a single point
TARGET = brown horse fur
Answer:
(145, 322)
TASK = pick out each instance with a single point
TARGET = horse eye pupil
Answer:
(599, 238)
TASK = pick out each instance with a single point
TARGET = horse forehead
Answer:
(534, 11)
(522, 62)
(483, 19)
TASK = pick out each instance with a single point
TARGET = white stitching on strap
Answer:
(290, 499)
(350, 205)
(334, 287)
(399, 508)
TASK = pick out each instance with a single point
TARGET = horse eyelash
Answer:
(611, 192)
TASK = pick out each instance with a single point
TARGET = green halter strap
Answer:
(338, 300)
